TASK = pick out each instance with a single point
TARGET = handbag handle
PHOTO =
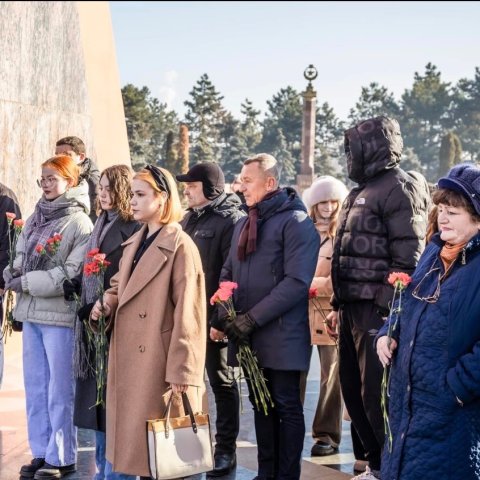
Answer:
(187, 409)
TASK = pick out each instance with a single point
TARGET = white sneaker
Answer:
(368, 475)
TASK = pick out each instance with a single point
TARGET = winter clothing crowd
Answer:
(311, 271)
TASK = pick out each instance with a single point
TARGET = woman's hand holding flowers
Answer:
(97, 310)
(331, 324)
(385, 348)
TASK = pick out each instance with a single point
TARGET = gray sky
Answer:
(252, 49)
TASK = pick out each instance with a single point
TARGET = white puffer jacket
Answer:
(44, 303)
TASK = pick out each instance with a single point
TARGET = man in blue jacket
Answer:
(272, 257)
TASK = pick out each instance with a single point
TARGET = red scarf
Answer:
(247, 242)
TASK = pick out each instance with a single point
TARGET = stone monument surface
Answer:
(58, 77)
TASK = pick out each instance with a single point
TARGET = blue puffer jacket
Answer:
(438, 359)
(273, 281)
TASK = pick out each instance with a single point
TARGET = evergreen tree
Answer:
(466, 112)
(375, 100)
(329, 157)
(285, 160)
(450, 153)
(204, 118)
(234, 150)
(285, 113)
(250, 127)
(425, 116)
(148, 122)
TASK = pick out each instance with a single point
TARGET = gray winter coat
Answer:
(44, 302)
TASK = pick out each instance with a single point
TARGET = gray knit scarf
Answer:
(83, 366)
(49, 217)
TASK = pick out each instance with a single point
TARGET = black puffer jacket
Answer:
(8, 203)
(211, 228)
(382, 223)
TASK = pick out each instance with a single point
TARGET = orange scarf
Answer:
(449, 253)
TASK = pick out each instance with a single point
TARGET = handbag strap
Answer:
(188, 411)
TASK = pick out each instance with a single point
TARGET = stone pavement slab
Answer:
(14, 449)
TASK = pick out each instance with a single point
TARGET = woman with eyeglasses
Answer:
(434, 403)
(47, 318)
(156, 310)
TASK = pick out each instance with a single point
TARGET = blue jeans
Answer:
(49, 392)
(110, 475)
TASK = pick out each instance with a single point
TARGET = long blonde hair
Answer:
(332, 227)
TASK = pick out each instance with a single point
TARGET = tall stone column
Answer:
(304, 179)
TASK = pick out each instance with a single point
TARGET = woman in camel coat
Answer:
(323, 200)
(156, 305)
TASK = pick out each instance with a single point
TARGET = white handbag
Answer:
(181, 446)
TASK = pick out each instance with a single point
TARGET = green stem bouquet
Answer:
(97, 267)
(246, 357)
(399, 281)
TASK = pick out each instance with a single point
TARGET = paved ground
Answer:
(14, 450)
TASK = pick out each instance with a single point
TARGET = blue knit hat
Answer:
(464, 179)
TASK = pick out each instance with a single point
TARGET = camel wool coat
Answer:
(158, 338)
(322, 281)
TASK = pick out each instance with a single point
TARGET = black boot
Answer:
(224, 463)
(29, 470)
(50, 472)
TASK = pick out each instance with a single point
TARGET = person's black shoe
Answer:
(320, 449)
(30, 469)
(50, 472)
(258, 477)
(224, 464)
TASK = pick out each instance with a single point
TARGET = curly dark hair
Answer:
(119, 180)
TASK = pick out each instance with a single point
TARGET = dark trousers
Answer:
(361, 375)
(281, 433)
(227, 400)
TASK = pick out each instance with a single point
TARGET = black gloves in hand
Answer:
(84, 312)
(239, 330)
(70, 287)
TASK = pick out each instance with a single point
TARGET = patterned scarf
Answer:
(82, 356)
(49, 217)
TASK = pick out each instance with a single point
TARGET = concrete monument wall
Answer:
(58, 77)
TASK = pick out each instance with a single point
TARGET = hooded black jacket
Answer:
(382, 224)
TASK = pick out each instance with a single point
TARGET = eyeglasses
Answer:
(432, 298)
(47, 181)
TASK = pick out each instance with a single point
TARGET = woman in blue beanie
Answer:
(434, 353)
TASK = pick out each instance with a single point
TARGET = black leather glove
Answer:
(84, 312)
(70, 287)
(239, 330)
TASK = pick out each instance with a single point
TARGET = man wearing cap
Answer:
(210, 220)
(381, 229)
